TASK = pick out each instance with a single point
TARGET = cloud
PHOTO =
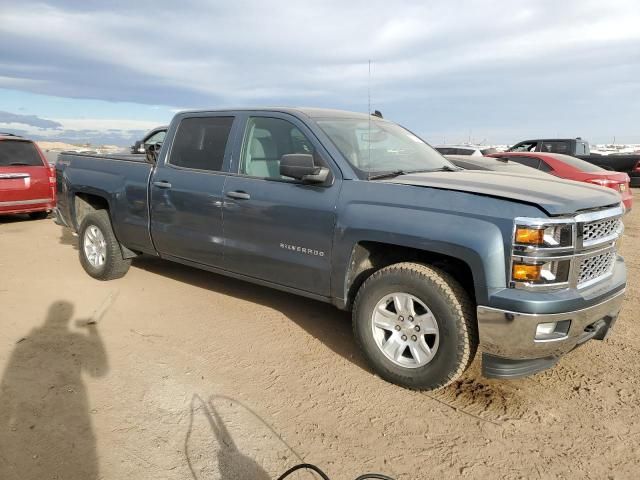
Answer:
(437, 65)
(31, 120)
(83, 130)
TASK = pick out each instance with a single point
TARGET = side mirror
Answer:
(301, 167)
(152, 150)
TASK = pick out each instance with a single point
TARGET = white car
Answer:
(473, 150)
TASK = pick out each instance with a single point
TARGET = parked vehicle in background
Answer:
(27, 181)
(572, 168)
(493, 164)
(152, 137)
(477, 151)
(579, 148)
(435, 262)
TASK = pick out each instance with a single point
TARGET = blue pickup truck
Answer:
(435, 262)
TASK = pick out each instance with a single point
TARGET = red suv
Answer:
(27, 181)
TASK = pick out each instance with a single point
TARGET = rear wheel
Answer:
(38, 215)
(100, 253)
(415, 325)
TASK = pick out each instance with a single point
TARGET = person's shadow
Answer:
(45, 424)
(232, 463)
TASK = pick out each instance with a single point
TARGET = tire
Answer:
(442, 311)
(38, 215)
(97, 226)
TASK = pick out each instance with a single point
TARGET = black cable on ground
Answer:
(308, 466)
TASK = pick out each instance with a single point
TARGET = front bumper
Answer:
(510, 336)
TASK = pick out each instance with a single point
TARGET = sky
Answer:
(493, 72)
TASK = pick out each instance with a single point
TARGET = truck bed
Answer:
(122, 179)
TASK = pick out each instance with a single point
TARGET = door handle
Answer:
(162, 184)
(239, 195)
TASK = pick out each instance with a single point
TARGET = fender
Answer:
(474, 229)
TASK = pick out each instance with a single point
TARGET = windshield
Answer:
(377, 146)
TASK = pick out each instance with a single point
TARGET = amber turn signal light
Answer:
(526, 273)
(531, 236)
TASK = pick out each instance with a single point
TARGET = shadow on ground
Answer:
(45, 418)
(14, 218)
(231, 462)
(67, 238)
(321, 320)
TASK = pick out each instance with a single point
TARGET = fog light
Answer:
(553, 330)
(544, 330)
(524, 272)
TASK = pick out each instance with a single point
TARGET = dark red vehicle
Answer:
(27, 181)
(572, 168)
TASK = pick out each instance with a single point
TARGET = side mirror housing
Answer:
(301, 167)
(152, 150)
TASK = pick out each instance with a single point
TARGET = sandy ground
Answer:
(189, 375)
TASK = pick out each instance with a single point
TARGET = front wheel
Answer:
(415, 325)
(100, 253)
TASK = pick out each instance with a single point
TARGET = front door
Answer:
(275, 228)
(186, 190)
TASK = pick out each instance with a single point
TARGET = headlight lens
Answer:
(529, 236)
(544, 236)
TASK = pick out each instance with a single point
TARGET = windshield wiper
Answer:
(20, 163)
(392, 174)
(397, 173)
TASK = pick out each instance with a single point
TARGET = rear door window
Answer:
(19, 153)
(464, 151)
(544, 166)
(555, 147)
(447, 150)
(201, 143)
(528, 161)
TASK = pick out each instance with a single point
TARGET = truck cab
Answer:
(567, 146)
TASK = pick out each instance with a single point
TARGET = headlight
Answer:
(544, 236)
(553, 272)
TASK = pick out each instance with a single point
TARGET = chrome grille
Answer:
(592, 268)
(594, 232)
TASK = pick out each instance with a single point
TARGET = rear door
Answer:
(278, 229)
(24, 176)
(186, 190)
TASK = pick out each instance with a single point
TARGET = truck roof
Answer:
(311, 112)
(547, 139)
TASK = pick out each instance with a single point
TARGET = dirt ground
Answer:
(189, 375)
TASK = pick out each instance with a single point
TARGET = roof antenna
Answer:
(369, 116)
(369, 89)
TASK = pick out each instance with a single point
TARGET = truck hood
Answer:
(555, 196)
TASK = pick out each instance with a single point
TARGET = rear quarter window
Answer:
(19, 153)
(579, 164)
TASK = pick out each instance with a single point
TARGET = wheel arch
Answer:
(86, 202)
(367, 257)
